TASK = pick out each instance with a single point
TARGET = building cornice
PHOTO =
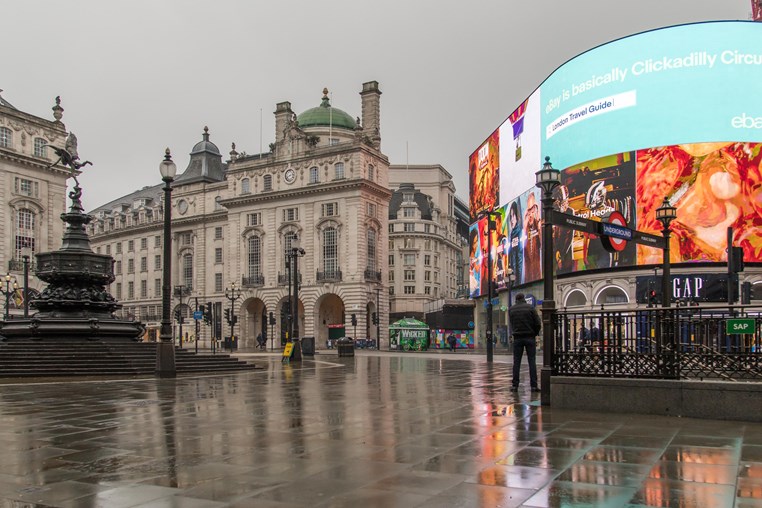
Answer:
(306, 193)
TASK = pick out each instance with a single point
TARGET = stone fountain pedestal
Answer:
(76, 304)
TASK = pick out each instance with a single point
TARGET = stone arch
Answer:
(329, 310)
(282, 319)
(252, 321)
(575, 298)
(612, 295)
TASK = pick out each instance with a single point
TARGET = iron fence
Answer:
(673, 343)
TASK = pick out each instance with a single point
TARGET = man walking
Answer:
(526, 325)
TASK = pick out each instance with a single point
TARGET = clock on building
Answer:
(290, 175)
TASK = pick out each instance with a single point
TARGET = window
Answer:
(330, 250)
(24, 231)
(391, 228)
(371, 172)
(255, 257)
(218, 283)
(391, 276)
(409, 259)
(391, 290)
(130, 290)
(6, 137)
(119, 248)
(427, 245)
(157, 262)
(333, 141)
(130, 266)
(27, 187)
(291, 214)
(118, 268)
(254, 219)
(143, 289)
(287, 239)
(187, 270)
(40, 149)
(338, 170)
(427, 228)
(427, 290)
(427, 275)
(267, 183)
(245, 186)
(408, 212)
(186, 238)
(131, 246)
(409, 243)
(144, 264)
(391, 259)
(97, 250)
(157, 288)
(157, 241)
(409, 290)
(108, 249)
(371, 210)
(409, 228)
(427, 260)
(314, 176)
(407, 197)
(118, 290)
(218, 255)
(329, 209)
(436, 276)
(409, 274)
(372, 249)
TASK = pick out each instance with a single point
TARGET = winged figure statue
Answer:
(68, 155)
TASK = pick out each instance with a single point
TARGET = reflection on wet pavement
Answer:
(371, 431)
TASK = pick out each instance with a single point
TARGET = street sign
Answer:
(741, 325)
(198, 315)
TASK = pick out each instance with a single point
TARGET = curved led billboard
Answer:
(673, 112)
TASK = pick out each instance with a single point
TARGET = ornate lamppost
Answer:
(665, 214)
(165, 357)
(547, 179)
(8, 292)
(232, 293)
(296, 253)
(25, 260)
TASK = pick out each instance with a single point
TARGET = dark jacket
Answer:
(525, 322)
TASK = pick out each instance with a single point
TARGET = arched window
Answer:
(255, 257)
(267, 183)
(611, 295)
(371, 172)
(330, 250)
(288, 238)
(314, 176)
(39, 148)
(575, 299)
(372, 250)
(6, 137)
(339, 168)
(24, 231)
(188, 270)
(245, 189)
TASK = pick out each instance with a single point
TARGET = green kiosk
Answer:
(409, 334)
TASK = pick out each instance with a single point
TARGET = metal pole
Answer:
(731, 268)
(548, 302)
(665, 276)
(489, 288)
(26, 285)
(378, 319)
(165, 360)
(289, 322)
(295, 336)
(197, 327)
(7, 298)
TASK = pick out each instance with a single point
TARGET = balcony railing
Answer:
(253, 281)
(373, 275)
(181, 291)
(17, 265)
(329, 276)
(283, 278)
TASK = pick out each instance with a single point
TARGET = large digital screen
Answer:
(673, 112)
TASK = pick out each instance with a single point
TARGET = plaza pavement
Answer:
(431, 430)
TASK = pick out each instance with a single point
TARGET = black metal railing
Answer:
(181, 291)
(283, 278)
(253, 281)
(673, 343)
(373, 275)
(329, 276)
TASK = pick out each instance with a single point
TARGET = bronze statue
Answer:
(68, 156)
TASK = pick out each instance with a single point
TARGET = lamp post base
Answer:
(297, 354)
(545, 385)
(165, 359)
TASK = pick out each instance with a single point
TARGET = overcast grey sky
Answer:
(137, 76)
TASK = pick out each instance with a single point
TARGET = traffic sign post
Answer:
(741, 326)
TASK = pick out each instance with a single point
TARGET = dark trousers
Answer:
(519, 345)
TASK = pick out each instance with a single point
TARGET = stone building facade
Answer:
(324, 181)
(32, 191)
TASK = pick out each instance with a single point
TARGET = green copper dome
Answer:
(325, 116)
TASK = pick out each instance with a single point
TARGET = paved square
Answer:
(377, 430)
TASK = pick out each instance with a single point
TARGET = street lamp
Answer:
(232, 293)
(511, 278)
(25, 259)
(665, 214)
(490, 224)
(296, 253)
(165, 357)
(8, 292)
(547, 179)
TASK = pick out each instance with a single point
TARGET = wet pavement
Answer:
(377, 430)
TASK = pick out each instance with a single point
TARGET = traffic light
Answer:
(227, 315)
(207, 313)
(272, 319)
(652, 297)
(374, 318)
(235, 320)
(177, 315)
(746, 293)
(354, 320)
(737, 260)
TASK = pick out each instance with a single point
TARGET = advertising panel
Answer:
(673, 112)
(484, 177)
